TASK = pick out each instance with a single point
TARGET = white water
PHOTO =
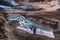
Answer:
(25, 25)
(38, 32)
(12, 2)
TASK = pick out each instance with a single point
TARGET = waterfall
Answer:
(13, 2)
(5, 7)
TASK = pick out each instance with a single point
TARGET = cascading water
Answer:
(7, 5)
(13, 2)
(27, 24)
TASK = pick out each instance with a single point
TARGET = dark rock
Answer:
(58, 9)
(56, 32)
(14, 23)
(2, 31)
(1, 9)
(31, 8)
(2, 2)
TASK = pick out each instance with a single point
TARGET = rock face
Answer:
(15, 34)
(2, 30)
(12, 33)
